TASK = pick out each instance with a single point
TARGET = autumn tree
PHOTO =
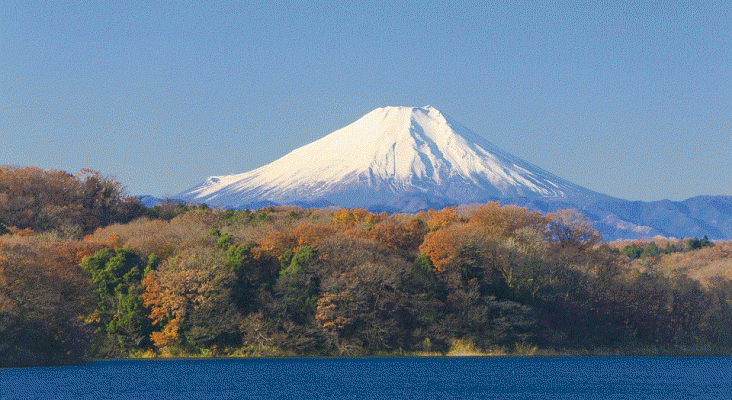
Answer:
(364, 308)
(56, 200)
(442, 247)
(191, 300)
(569, 228)
(439, 219)
(484, 319)
(277, 242)
(43, 297)
(521, 261)
(503, 221)
(395, 234)
(162, 238)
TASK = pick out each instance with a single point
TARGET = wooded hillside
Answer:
(86, 273)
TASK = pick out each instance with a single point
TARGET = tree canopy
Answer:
(290, 281)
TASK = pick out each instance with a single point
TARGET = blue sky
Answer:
(631, 99)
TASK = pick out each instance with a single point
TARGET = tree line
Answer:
(110, 278)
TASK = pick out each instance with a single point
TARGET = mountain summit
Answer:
(393, 158)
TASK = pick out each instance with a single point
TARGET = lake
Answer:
(379, 378)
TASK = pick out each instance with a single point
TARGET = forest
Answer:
(87, 273)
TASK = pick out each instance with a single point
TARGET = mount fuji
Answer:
(405, 159)
(393, 159)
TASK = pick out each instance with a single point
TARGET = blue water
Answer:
(385, 378)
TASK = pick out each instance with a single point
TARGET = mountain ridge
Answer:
(407, 159)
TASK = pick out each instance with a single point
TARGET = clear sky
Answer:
(631, 99)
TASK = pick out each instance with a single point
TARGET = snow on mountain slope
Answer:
(398, 158)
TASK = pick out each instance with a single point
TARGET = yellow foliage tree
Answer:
(346, 219)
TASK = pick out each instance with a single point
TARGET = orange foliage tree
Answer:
(311, 235)
(443, 246)
(439, 219)
(400, 235)
(278, 242)
(193, 291)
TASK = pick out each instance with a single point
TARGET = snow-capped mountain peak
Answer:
(387, 159)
